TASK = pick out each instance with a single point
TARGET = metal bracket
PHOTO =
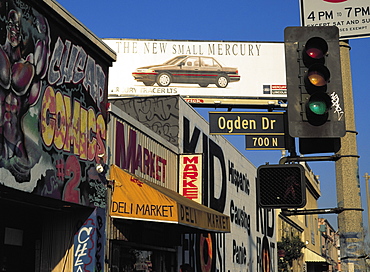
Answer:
(335, 157)
(338, 210)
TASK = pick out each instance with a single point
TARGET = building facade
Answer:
(330, 247)
(227, 186)
(57, 139)
(192, 196)
(53, 129)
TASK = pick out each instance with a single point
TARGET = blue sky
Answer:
(238, 20)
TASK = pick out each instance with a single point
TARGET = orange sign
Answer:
(135, 198)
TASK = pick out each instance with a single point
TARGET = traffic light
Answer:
(314, 82)
(319, 145)
(281, 186)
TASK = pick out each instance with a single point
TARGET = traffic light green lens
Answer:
(317, 107)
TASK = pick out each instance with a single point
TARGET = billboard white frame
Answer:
(261, 66)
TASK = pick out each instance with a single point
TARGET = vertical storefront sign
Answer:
(190, 179)
(89, 243)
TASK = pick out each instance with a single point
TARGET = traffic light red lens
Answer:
(316, 47)
(316, 78)
(315, 53)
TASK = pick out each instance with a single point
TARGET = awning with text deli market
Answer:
(136, 198)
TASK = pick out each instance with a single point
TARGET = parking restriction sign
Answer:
(352, 17)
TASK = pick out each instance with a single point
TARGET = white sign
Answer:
(352, 17)
(197, 69)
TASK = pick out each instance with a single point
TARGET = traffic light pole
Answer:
(350, 222)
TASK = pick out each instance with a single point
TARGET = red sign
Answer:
(190, 169)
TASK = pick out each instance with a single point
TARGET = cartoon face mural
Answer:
(20, 89)
(52, 112)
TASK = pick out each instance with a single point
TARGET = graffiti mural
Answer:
(52, 109)
(353, 249)
(266, 246)
(156, 113)
(23, 59)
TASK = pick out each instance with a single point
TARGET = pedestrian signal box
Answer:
(281, 186)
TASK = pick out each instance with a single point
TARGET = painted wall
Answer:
(139, 150)
(228, 186)
(53, 86)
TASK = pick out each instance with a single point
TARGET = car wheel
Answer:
(164, 79)
(222, 81)
(203, 85)
(148, 83)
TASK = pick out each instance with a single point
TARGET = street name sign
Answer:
(265, 142)
(247, 123)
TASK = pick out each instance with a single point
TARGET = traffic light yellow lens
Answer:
(316, 79)
(318, 107)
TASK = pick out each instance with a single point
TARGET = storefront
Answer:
(148, 218)
(314, 262)
(152, 219)
(37, 233)
(147, 137)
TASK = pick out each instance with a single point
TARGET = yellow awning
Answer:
(136, 198)
(310, 256)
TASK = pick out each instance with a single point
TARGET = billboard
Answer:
(53, 104)
(197, 69)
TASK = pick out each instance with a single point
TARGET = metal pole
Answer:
(350, 222)
(367, 177)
